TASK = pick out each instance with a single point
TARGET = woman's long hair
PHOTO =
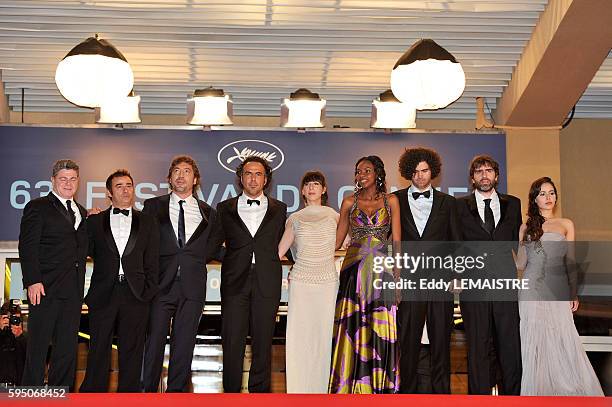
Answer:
(379, 172)
(535, 220)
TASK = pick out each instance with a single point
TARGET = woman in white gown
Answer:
(554, 360)
(313, 286)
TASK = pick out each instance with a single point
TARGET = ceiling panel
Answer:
(261, 50)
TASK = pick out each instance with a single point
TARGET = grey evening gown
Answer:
(554, 360)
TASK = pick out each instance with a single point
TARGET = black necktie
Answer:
(125, 212)
(71, 212)
(488, 215)
(416, 195)
(181, 224)
(250, 202)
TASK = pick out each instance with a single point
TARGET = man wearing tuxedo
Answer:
(53, 251)
(489, 216)
(184, 222)
(251, 226)
(427, 215)
(124, 244)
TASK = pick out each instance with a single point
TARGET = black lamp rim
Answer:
(304, 94)
(95, 46)
(208, 92)
(388, 96)
(423, 50)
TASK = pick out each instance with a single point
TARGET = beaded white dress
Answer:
(312, 298)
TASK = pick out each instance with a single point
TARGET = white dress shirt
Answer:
(420, 207)
(193, 216)
(252, 215)
(75, 209)
(494, 205)
(121, 227)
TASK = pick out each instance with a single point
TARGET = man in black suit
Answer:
(124, 244)
(184, 226)
(489, 216)
(427, 215)
(251, 225)
(53, 251)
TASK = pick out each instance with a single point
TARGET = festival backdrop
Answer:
(27, 154)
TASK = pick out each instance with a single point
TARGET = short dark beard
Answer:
(476, 187)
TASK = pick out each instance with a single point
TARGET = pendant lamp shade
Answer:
(303, 109)
(427, 76)
(119, 111)
(389, 113)
(210, 107)
(92, 72)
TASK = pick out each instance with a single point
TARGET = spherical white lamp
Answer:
(92, 72)
(427, 76)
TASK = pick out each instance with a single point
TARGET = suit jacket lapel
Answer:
(59, 206)
(503, 206)
(108, 233)
(405, 211)
(435, 208)
(474, 209)
(234, 212)
(83, 212)
(269, 213)
(131, 243)
(164, 220)
(205, 212)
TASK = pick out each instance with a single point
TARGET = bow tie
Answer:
(416, 195)
(125, 212)
(250, 202)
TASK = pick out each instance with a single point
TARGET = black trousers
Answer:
(412, 315)
(248, 309)
(493, 325)
(130, 316)
(53, 321)
(185, 315)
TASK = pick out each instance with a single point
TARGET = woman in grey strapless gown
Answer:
(554, 360)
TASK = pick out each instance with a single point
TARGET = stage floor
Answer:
(299, 400)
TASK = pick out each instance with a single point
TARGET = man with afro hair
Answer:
(427, 215)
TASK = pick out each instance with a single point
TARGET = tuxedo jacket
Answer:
(506, 233)
(51, 251)
(191, 258)
(140, 260)
(473, 228)
(442, 224)
(240, 246)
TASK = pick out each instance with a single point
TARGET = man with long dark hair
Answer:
(490, 216)
(251, 226)
(185, 222)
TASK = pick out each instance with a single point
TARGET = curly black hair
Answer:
(256, 159)
(379, 171)
(412, 157)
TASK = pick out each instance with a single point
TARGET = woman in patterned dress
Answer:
(311, 232)
(365, 356)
